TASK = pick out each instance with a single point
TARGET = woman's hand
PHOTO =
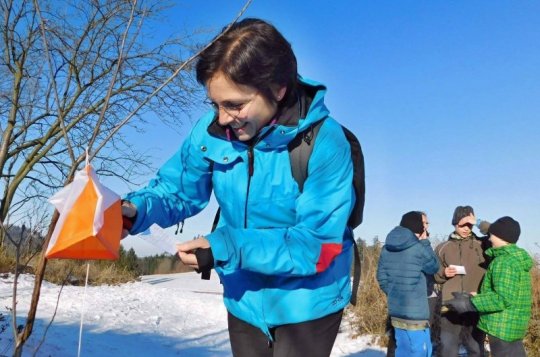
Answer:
(186, 251)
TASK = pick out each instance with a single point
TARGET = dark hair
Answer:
(253, 53)
(412, 220)
(460, 212)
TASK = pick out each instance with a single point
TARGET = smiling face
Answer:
(241, 108)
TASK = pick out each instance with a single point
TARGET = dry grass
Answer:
(74, 272)
(109, 272)
(7, 262)
(369, 314)
(532, 340)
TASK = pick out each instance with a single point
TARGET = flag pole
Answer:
(83, 306)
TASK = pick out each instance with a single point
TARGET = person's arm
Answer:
(430, 264)
(439, 276)
(322, 211)
(445, 272)
(483, 227)
(504, 287)
(181, 188)
(382, 272)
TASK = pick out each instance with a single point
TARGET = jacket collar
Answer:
(457, 237)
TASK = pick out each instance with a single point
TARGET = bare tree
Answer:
(72, 73)
(69, 73)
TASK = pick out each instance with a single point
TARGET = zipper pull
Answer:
(178, 228)
(251, 165)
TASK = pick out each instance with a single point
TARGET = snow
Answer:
(161, 315)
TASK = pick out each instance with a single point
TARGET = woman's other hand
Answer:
(186, 251)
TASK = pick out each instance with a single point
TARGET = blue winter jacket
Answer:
(282, 256)
(404, 262)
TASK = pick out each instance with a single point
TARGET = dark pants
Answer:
(433, 304)
(435, 321)
(500, 348)
(459, 329)
(311, 338)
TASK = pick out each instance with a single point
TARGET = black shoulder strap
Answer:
(205, 273)
(357, 272)
(300, 149)
(359, 183)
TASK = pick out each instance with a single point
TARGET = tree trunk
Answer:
(23, 336)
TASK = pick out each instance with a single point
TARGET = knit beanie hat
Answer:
(461, 212)
(506, 228)
(413, 221)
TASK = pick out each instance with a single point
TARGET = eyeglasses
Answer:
(231, 108)
(465, 225)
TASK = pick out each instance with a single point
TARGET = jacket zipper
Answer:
(251, 168)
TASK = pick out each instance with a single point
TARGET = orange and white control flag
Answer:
(90, 223)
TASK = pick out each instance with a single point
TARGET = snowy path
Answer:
(162, 315)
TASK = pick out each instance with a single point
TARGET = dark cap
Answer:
(413, 221)
(506, 228)
(461, 212)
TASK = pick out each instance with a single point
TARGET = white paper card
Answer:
(460, 269)
(160, 238)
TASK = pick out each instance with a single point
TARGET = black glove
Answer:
(205, 259)
(461, 303)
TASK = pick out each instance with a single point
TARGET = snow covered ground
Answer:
(162, 315)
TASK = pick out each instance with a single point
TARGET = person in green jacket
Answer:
(505, 298)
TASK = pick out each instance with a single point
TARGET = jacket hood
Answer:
(309, 109)
(400, 239)
(518, 253)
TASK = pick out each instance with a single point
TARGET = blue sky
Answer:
(443, 95)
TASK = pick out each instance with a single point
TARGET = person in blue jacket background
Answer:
(405, 261)
(283, 255)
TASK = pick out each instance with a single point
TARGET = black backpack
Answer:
(300, 149)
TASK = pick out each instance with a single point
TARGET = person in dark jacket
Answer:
(433, 303)
(406, 259)
(283, 254)
(505, 298)
(463, 265)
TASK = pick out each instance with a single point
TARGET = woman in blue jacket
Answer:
(282, 254)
